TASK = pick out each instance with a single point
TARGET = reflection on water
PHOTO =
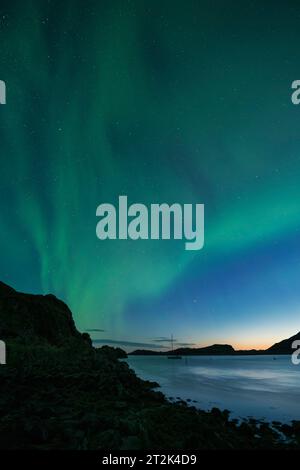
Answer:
(257, 386)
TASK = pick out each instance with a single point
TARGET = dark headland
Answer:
(59, 392)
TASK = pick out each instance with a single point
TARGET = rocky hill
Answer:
(35, 316)
(284, 346)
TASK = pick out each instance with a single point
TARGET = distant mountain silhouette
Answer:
(283, 347)
(147, 352)
(215, 349)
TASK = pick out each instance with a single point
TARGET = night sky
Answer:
(162, 101)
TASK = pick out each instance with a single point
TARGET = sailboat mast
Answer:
(173, 354)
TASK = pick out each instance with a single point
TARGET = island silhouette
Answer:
(283, 347)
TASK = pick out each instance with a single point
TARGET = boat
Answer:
(173, 354)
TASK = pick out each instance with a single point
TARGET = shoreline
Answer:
(206, 384)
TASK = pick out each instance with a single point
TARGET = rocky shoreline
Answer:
(58, 392)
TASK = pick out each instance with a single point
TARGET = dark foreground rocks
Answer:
(58, 392)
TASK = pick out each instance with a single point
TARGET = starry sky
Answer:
(162, 101)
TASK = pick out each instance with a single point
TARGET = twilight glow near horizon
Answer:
(186, 102)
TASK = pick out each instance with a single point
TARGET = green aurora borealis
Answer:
(162, 101)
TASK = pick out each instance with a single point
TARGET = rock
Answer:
(35, 316)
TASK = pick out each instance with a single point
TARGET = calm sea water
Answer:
(264, 387)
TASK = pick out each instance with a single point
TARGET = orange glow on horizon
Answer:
(243, 346)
